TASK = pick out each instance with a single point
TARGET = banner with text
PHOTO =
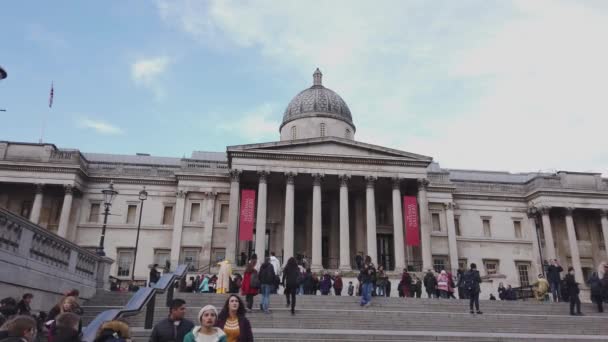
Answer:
(247, 215)
(410, 216)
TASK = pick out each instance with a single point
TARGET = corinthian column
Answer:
(370, 204)
(574, 254)
(425, 226)
(399, 242)
(260, 222)
(548, 232)
(178, 227)
(66, 209)
(604, 220)
(37, 206)
(288, 235)
(233, 215)
(452, 243)
(344, 225)
(317, 262)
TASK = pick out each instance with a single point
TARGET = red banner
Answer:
(410, 216)
(247, 215)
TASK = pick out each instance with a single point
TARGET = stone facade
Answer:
(324, 196)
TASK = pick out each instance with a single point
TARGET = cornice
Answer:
(490, 240)
(142, 181)
(441, 188)
(211, 178)
(488, 197)
(45, 168)
(561, 193)
(326, 158)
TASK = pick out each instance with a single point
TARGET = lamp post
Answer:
(108, 197)
(143, 195)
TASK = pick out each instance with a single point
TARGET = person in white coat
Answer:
(276, 264)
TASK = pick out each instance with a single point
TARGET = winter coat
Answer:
(443, 282)
(308, 283)
(338, 283)
(595, 285)
(325, 285)
(154, 275)
(430, 282)
(367, 274)
(571, 285)
(245, 332)
(553, 273)
(405, 284)
(193, 335)
(267, 275)
(66, 335)
(246, 288)
(502, 293)
(204, 287)
(471, 280)
(291, 277)
(166, 331)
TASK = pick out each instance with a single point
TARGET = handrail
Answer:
(141, 298)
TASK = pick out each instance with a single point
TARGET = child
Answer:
(351, 288)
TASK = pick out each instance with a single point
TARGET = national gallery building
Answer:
(316, 192)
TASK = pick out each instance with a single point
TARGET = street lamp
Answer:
(143, 195)
(108, 197)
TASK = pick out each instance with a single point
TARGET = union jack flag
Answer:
(51, 96)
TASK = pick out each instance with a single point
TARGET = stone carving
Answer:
(263, 175)
(235, 175)
(532, 212)
(370, 181)
(181, 194)
(569, 211)
(544, 210)
(291, 176)
(316, 179)
(396, 183)
(344, 179)
(423, 183)
(449, 206)
(38, 188)
(68, 189)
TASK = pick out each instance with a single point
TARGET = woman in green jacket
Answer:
(207, 331)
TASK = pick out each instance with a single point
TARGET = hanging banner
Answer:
(410, 216)
(247, 219)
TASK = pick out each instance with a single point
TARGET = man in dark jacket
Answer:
(175, 327)
(23, 307)
(471, 281)
(595, 285)
(430, 283)
(573, 291)
(154, 275)
(267, 280)
(19, 329)
(367, 278)
(554, 278)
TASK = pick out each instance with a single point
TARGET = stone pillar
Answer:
(288, 233)
(425, 225)
(66, 209)
(37, 206)
(604, 220)
(178, 226)
(317, 262)
(233, 215)
(399, 242)
(574, 254)
(370, 204)
(345, 263)
(538, 262)
(260, 222)
(452, 244)
(208, 219)
(548, 232)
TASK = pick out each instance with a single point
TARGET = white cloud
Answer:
(101, 127)
(146, 72)
(255, 125)
(493, 85)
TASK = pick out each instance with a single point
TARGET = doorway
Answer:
(385, 251)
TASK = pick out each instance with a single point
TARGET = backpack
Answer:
(254, 281)
(469, 282)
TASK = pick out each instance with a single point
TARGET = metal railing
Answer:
(145, 296)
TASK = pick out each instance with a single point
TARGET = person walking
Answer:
(451, 286)
(338, 285)
(460, 284)
(366, 277)
(276, 264)
(291, 280)
(416, 289)
(471, 285)
(267, 281)
(380, 281)
(573, 292)
(206, 331)
(154, 275)
(430, 283)
(67, 328)
(443, 284)
(175, 327)
(19, 329)
(554, 278)
(308, 282)
(404, 287)
(233, 322)
(251, 282)
(595, 285)
(23, 307)
(325, 284)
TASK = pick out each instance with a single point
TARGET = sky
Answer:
(516, 86)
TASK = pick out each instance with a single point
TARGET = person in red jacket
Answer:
(247, 289)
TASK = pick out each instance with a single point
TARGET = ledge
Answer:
(482, 239)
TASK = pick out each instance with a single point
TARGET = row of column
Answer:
(316, 257)
(66, 208)
(549, 251)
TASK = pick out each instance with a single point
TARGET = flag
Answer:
(51, 96)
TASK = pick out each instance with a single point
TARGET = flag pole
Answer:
(44, 117)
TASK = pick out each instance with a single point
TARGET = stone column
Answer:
(288, 233)
(538, 262)
(317, 262)
(178, 226)
(37, 206)
(604, 220)
(345, 263)
(399, 242)
(66, 209)
(452, 244)
(425, 225)
(233, 215)
(548, 232)
(574, 254)
(260, 221)
(370, 204)
(208, 219)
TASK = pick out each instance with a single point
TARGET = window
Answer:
(517, 228)
(190, 256)
(439, 263)
(523, 270)
(487, 232)
(436, 222)
(195, 212)
(218, 254)
(347, 134)
(322, 129)
(383, 216)
(294, 133)
(161, 256)
(462, 264)
(131, 211)
(224, 213)
(125, 262)
(491, 266)
(457, 225)
(168, 215)
(94, 212)
(26, 208)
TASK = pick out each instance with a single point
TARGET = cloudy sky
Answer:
(498, 85)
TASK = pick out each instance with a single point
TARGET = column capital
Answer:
(38, 188)
(449, 206)
(396, 183)
(569, 211)
(263, 175)
(316, 179)
(532, 212)
(181, 194)
(544, 210)
(370, 181)
(291, 176)
(210, 195)
(423, 183)
(344, 179)
(69, 189)
(235, 175)
(604, 212)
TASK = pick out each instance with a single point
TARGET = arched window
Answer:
(294, 133)
(347, 134)
(322, 129)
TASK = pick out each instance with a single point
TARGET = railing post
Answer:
(150, 312)
(170, 294)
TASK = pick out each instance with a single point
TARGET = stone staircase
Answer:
(332, 318)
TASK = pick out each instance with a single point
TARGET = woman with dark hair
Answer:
(251, 282)
(291, 281)
(233, 321)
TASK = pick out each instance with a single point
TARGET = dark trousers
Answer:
(290, 295)
(249, 300)
(338, 292)
(574, 300)
(599, 301)
(430, 293)
(474, 299)
(555, 290)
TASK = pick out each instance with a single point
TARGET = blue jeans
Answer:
(555, 290)
(366, 295)
(266, 288)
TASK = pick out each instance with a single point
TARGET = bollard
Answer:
(150, 312)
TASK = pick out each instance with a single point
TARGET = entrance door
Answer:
(385, 251)
(325, 252)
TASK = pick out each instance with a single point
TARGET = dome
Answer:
(317, 101)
